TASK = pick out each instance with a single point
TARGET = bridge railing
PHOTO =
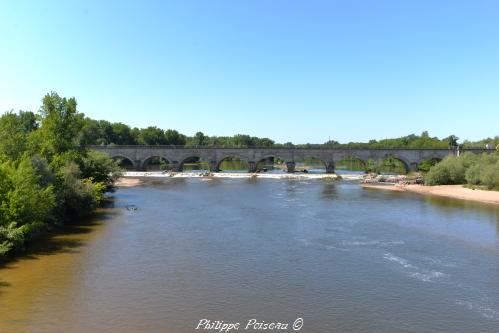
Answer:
(319, 147)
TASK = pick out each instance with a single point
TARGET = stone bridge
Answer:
(139, 156)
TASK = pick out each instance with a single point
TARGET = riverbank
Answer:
(135, 178)
(449, 191)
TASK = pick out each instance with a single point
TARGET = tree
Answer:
(12, 136)
(28, 120)
(60, 124)
(122, 134)
(452, 140)
(152, 135)
(173, 137)
(199, 139)
(91, 133)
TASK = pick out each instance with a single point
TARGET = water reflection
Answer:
(329, 191)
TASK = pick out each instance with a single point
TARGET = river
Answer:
(342, 258)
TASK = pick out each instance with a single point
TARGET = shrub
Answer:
(468, 168)
(490, 176)
(426, 165)
(438, 175)
(473, 174)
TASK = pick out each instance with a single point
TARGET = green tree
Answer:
(173, 137)
(152, 136)
(12, 136)
(60, 124)
(452, 140)
(122, 134)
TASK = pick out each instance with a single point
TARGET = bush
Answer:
(438, 175)
(481, 170)
(99, 167)
(26, 204)
(473, 174)
(426, 165)
(489, 177)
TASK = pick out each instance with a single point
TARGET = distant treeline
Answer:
(102, 132)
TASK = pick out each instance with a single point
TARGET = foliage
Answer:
(99, 167)
(12, 136)
(485, 172)
(61, 124)
(425, 165)
(46, 177)
(26, 203)
(102, 132)
(478, 170)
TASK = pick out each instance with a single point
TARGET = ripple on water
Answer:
(482, 309)
(413, 271)
(371, 243)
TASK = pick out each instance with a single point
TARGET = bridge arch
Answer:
(124, 161)
(425, 164)
(351, 162)
(156, 163)
(197, 162)
(233, 162)
(272, 162)
(311, 162)
(388, 162)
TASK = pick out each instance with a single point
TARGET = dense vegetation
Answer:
(46, 177)
(475, 170)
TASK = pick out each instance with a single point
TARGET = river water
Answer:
(342, 258)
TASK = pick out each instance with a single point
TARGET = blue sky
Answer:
(299, 71)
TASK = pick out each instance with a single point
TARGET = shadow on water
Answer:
(163, 183)
(329, 191)
(449, 205)
(252, 180)
(3, 285)
(61, 239)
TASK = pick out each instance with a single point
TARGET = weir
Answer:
(176, 155)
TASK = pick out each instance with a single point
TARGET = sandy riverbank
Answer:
(450, 191)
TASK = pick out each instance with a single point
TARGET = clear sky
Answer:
(299, 71)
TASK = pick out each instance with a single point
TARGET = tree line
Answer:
(103, 132)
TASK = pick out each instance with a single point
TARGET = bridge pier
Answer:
(290, 166)
(252, 166)
(330, 167)
(137, 165)
(413, 166)
(214, 166)
(175, 166)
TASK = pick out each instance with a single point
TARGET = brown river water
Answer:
(342, 258)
